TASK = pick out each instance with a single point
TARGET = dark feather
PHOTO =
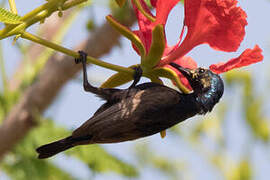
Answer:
(56, 147)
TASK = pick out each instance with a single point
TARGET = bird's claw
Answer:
(82, 58)
(137, 75)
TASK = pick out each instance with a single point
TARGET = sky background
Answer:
(82, 105)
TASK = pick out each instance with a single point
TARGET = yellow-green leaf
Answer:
(128, 34)
(141, 9)
(118, 79)
(155, 79)
(170, 74)
(8, 17)
(156, 49)
(120, 2)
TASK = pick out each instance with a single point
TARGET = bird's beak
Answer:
(186, 72)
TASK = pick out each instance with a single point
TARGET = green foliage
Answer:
(22, 162)
(91, 25)
(20, 167)
(8, 17)
(100, 161)
(120, 2)
(173, 168)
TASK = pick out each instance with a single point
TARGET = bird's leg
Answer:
(107, 94)
(86, 85)
(137, 76)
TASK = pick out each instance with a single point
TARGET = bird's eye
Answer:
(201, 70)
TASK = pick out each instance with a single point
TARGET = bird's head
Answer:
(207, 86)
(201, 79)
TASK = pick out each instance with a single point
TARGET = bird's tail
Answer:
(54, 148)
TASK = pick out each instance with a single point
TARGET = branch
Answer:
(48, 30)
(58, 71)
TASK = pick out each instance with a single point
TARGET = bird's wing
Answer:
(122, 117)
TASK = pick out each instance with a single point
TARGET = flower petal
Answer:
(219, 23)
(145, 25)
(249, 56)
(153, 3)
(163, 9)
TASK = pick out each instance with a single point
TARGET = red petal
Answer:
(153, 3)
(219, 23)
(186, 62)
(230, 31)
(145, 25)
(163, 9)
(249, 56)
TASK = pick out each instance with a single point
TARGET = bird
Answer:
(140, 110)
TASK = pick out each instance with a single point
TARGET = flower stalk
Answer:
(37, 15)
(74, 54)
(12, 5)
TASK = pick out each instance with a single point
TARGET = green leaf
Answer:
(8, 17)
(245, 170)
(141, 9)
(120, 2)
(128, 34)
(118, 79)
(24, 160)
(21, 167)
(156, 49)
(100, 161)
(170, 167)
(155, 79)
(170, 74)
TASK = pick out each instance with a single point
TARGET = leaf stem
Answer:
(72, 3)
(69, 52)
(141, 9)
(12, 5)
(36, 15)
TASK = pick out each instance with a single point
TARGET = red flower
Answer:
(218, 23)
(146, 26)
(249, 56)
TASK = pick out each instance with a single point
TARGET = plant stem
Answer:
(12, 5)
(69, 52)
(35, 16)
(146, 14)
(72, 3)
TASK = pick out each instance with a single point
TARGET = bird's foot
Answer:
(82, 58)
(136, 76)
